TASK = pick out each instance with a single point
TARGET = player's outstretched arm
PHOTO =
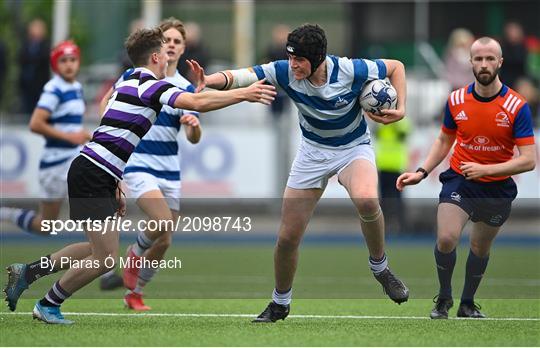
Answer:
(395, 71)
(526, 161)
(228, 79)
(437, 153)
(258, 92)
(38, 124)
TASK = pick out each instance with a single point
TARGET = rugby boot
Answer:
(442, 305)
(273, 313)
(49, 315)
(134, 301)
(470, 310)
(392, 286)
(16, 284)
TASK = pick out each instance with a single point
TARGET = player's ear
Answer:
(154, 57)
(501, 62)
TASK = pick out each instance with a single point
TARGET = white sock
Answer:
(378, 266)
(283, 299)
(143, 243)
(145, 275)
(20, 217)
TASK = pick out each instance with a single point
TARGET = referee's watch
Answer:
(423, 171)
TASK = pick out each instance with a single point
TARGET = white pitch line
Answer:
(298, 316)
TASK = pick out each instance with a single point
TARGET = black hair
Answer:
(308, 41)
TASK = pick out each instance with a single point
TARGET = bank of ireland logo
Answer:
(481, 140)
(502, 119)
(455, 196)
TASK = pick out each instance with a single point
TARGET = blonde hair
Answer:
(172, 22)
(460, 37)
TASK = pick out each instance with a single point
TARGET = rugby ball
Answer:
(378, 95)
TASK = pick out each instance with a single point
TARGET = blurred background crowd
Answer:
(432, 38)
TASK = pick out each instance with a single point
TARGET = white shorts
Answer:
(139, 183)
(313, 165)
(53, 181)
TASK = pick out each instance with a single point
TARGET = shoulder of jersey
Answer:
(512, 102)
(457, 97)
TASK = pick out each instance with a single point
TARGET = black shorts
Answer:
(91, 190)
(489, 202)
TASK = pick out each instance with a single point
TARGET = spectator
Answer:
(392, 159)
(514, 54)
(195, 49)
(34, 64)
(530, 92)
(125, 62)
(275, 52)
(457, 56)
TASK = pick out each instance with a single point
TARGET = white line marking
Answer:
(298, 316)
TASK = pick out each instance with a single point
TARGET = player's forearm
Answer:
(437, 153)
(514, 166)
(231, 79)
(210, 100)
(397, 77)
(216, 81)
(43, 128)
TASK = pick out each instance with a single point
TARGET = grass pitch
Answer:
(211, 300)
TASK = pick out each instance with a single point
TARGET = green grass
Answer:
(225, 331)
(332, 281)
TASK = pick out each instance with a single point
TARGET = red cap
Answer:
(64, 48)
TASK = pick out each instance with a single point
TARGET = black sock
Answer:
(34, 271)
(474, 271)
(445, 267)
(55, 297)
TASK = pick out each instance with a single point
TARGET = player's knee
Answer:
(368, 208)
(160, 225)
(288, 243)
(480, 249)
(446, 243)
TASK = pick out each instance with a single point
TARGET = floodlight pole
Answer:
(151, 13)
(244, 33)
(60, 22)
(421, 28)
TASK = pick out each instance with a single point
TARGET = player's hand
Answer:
(121, 199)
(471, 170)
(259, 92)
(387, 116)
(79, 138)
(407, 179)
(190, 120)
(198, 73)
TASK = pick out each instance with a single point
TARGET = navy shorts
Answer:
(91, 190)
(489, 202)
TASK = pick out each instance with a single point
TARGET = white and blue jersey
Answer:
(64, 100)
(330, 115)
(157, 153)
